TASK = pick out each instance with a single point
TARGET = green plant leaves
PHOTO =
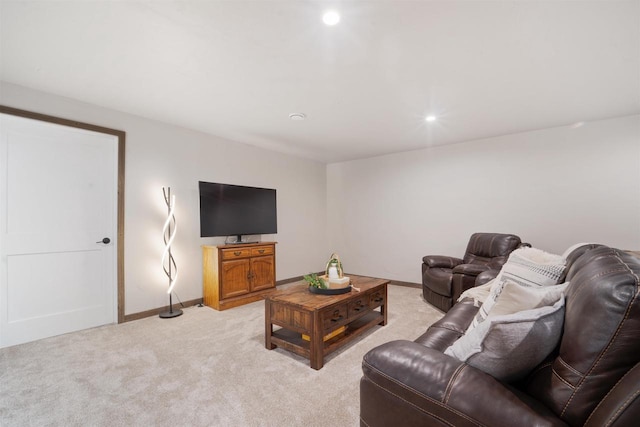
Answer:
(315, 281)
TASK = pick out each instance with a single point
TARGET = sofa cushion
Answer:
(470, 269)
(515, 298)
(508, 347)
(529, 267)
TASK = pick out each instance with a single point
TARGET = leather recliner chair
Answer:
(591, 379)
(444, 278)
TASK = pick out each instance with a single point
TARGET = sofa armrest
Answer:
(441, 261)
(621, 406)
(444, 332)
(470, 269)
(407, 384)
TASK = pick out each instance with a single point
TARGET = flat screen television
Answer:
(227, 210)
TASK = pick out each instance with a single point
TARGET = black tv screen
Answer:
(227, 210)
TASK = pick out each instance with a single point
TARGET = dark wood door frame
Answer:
(121, 156)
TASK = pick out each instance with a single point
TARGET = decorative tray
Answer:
(332, 291)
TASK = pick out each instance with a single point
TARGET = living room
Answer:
(552, 182)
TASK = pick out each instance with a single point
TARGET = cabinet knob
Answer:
(237, 253)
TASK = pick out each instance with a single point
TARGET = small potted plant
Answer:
(333, 270)
(315, 281)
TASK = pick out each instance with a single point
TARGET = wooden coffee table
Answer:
(297, 311)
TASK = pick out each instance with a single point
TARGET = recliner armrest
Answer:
(441, 261)
(412, 385)
(486, 276)
(470, 269)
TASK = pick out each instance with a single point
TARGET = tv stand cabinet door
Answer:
(262, 269)
(234, 278)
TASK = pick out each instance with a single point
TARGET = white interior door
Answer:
(58, 200)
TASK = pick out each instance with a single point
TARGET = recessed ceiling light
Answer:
(297, 116)
(331, 17)
(430, 118)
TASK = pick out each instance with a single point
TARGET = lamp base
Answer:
(170, 314)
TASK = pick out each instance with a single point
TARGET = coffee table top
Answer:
(298, 294)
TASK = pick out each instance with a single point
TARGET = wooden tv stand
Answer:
(234, 275)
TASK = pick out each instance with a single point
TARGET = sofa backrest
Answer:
(573, 257)
(601, 338)
(490, 248)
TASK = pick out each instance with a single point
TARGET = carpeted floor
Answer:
(204, 368)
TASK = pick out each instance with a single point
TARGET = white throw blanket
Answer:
(479, 293)
(527, 267)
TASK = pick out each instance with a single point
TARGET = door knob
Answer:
(106, 240)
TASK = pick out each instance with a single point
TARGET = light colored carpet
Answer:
(204, 368)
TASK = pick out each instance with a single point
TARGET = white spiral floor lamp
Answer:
(168, 263)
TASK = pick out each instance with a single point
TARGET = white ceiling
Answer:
(236, 69)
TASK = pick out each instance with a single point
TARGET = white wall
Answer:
(552, 187)
(158, 155)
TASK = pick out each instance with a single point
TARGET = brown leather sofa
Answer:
(591, 379)
(445, 278)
